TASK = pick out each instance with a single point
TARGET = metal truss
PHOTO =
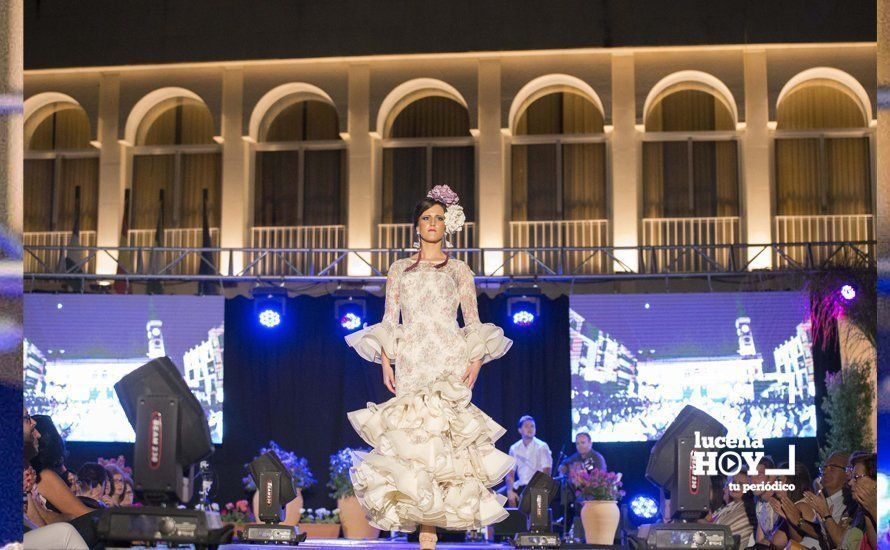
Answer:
(554, 264)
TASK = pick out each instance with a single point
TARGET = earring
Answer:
(417, 240)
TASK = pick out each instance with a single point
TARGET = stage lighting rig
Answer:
(269, 305)
(172, 436)
(350, 313)
(525, 308)
(276, 488)
(534, 502)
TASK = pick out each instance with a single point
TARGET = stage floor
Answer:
(374, 544)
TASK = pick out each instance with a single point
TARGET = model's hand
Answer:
(472, 373)
(389, 378)
(512, 498)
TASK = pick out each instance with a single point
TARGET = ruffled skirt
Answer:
(433, 461)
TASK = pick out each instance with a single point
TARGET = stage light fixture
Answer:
(524, 310)
(848, 292)
(275, 486)
(644, 507)
(350, 313)
(269, 304)
(534, 502)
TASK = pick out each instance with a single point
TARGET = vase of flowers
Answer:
(299, 471)
(352, 516)
(236, 514)
(320, 523)
(600, 492)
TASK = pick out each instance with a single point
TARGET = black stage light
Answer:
(276, 488)
(269, 305)
(670, 469)
(172, 435)
(534, 502)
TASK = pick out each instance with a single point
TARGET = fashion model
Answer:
(433, 461)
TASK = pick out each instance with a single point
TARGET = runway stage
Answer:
(387, 545)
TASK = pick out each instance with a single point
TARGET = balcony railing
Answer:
(559, 233)
(309, 237)
(821, 229)
(398, 237)
(171, 261)
(47, 260)
(696, 244)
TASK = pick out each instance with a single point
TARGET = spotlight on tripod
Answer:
(276, 488)
(534, 502)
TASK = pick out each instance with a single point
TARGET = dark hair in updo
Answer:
(425, 204)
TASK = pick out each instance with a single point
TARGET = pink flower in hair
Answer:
(443, 194)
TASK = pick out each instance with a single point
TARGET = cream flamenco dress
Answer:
(433, 460)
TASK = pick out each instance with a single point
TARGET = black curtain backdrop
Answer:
(295, 385)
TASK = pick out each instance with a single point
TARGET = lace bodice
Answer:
(419, 331)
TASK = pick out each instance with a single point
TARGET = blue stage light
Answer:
(350, 312)
(523, 318)
(270, 318)
(350, 321)
(644, 507)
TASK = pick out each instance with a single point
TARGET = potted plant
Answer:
(320, 523)
(599, 491)
(352, 516)
(299, 471)
(237, 514)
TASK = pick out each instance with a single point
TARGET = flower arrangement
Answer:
(595, 484)
(454, 213)
(238, 512)
(296, 465)
(319, 515)
(340, 483)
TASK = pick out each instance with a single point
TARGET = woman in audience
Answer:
(120, 486)
(92, 485)
(857, 530)
(51, 501)
(739, 512)
(797, 516)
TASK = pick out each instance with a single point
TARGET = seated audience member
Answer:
(58, 536)
(120, 486)
(796, 524)
(859, 532)
(833, 477)
(51, 500)
(767, 519)
(92, 485)
(739, 511)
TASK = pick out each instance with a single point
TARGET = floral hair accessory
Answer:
(443, 194)
(454, 213)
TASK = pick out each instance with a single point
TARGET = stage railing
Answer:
(311, 238)
(855, 227)
(703, 244)
(143, 240)
(552, 262)
(559, 233)
(45, 260)
(393, 239)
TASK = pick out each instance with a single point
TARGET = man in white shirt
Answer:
(531, 454)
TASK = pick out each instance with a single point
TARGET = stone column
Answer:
(492, 203)
(757, 196)
(624, 191)
(233, 222)
(362, 203)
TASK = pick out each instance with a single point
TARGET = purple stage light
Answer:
(848, 292)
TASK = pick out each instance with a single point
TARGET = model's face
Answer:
(528, 429)
(583, 444)
(431, 225)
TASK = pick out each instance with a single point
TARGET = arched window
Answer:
(558, 174)
(175, 153)
(427, 142)
(60, 163)
(61, 183)
(822, 160)
(300, 166)
(823, 168)
(690, 177)
(688, 169)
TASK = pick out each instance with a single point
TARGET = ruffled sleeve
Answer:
(386, 336)
(485, 341)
